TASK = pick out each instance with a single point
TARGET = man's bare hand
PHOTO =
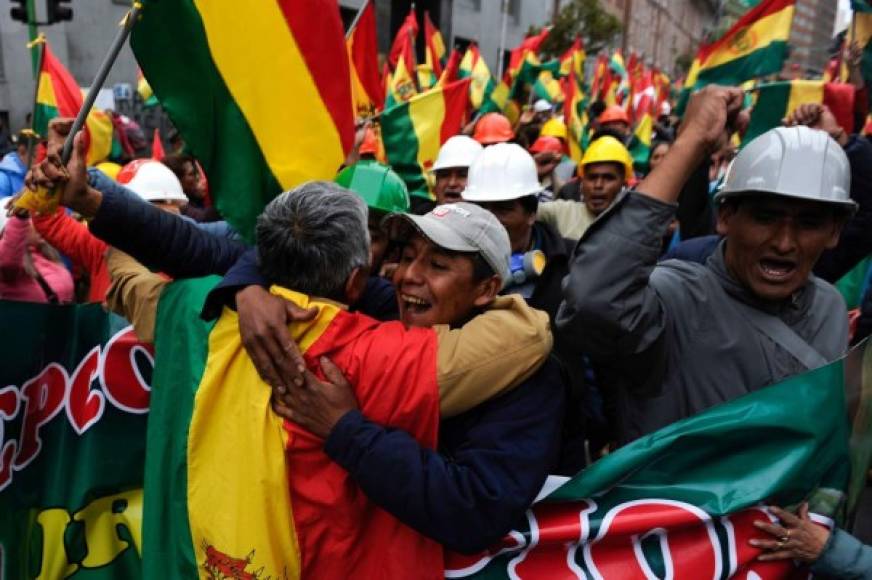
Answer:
(71, 179)
(797, 537)
(713, 115)
(818, 116)
(263, 327)
(318, 405)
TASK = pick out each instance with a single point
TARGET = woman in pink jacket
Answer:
(30, 269)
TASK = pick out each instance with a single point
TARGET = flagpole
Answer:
(357, 18)
(39, 44)
(100, 78)
(504, 18)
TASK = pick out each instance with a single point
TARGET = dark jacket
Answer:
(666, 330)
(492, 460)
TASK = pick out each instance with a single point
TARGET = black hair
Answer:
(530, 203)
(176, 162)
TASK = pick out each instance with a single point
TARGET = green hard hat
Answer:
(377, 184)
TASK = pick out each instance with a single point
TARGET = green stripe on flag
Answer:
(201, 107)
(42, 114)
(401, 148)
(861, 6)
(769, 110)
(181, 343)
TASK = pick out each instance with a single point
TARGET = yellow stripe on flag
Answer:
(804, 92)
(291, 111)
(427, 113)
(100, 132)
(239, 502)
(45, 94)
(772, 28)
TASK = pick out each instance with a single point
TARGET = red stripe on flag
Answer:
(364, 53)
(760, 11)
(456, 102)
(319, 34)
(839, 97)
(68, 95)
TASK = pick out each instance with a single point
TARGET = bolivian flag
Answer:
(414, 131)
(233, 491)
(362, 47)
(59, 95)
(261, 95)
(572, 61)
(401, 87)
(755, 46)
(434, 46)
(574, 115)
(777, 100)
(548, 88)
(474, 67)
(860, 30)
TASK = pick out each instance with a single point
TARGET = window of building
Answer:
(470, 4)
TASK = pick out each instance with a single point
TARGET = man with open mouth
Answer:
(680, 337)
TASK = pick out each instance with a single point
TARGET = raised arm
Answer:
(160, 240)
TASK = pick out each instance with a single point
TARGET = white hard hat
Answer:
(796, 162)
(152, 181)
(541, 106)
(502, 172)
(458, 151)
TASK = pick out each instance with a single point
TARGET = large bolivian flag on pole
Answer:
(261, 95)
(414, 131)
(755, 46)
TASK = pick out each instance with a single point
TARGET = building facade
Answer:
(811, 36)
(663, 32)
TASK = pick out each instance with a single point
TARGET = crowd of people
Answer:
(532, 317)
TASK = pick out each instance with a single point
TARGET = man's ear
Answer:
(726, 211)
(356, 284)
(487, 290)
(838, 223)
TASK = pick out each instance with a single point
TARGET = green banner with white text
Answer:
(74, 394)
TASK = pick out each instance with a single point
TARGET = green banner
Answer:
(681, 502)
(74, 395)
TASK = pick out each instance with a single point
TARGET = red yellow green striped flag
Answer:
(402, 86)
(144, 90)
(756, 45)
(413, 132)
(434, 46)
(529, 47)
(574, 115)
(643, 112)
(263, 98)
(482, 86)
(777, 100)
(572, 61)
(404, 41)
(59, 95)
(366, 86)
(232, 490)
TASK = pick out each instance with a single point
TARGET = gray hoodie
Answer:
(676, 338)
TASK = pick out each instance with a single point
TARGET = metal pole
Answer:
(357, 17)
(505, 19)
(33, 34)
(100, 78)
(628, 8)
(39, 45)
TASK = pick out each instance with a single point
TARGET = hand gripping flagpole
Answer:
(43, 200)
(102, 73)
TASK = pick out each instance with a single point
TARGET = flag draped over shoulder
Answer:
(777, 100)
(413, 132)
(366, 86)
(681, 502)
(755, 46)
(264, 98)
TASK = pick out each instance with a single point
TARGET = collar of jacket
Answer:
(551, 244)
(790, 310)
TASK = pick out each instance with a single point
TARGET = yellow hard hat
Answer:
(109, 168)
(607, 149)
(554, 127)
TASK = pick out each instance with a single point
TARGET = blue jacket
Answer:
(844, 557)
(492, 460)
(855, 243)
(12, 171)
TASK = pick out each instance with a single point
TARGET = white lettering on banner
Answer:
(40, 399)
(611, 538)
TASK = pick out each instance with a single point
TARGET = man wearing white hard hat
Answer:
(681, 337)
(451, 167)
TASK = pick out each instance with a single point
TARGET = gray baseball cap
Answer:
(459, 227)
